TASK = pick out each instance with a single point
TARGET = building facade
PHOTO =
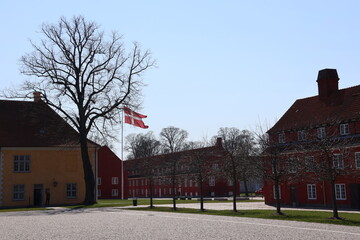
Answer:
(40, 158)
(179, 174)
(315, 148)
(111, 179)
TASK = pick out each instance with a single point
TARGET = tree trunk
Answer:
(277, 196)
(245, 186)
(88, 173)
(151, 192)
(234, 193)
(173, 185)
(333, 198)
(201, 197)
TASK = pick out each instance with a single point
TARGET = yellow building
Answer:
(40, 158)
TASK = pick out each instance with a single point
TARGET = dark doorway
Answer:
(293, 196)
(355, 196)
(38, 194)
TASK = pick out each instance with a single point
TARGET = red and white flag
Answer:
(134, 118)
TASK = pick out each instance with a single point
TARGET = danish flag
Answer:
(134, 118)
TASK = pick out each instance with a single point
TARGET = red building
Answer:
(110, 180)
(178, 173)
(318, 139)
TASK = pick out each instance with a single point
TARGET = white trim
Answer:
(312, 195)
(340, 191)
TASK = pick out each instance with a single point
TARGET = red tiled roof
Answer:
(160, 159)
(33, 124)
(343, 105)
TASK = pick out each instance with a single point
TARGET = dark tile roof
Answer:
(343, 105)
(33, 124)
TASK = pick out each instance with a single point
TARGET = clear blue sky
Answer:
(221, 63)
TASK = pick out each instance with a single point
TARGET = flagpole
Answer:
(122, 155)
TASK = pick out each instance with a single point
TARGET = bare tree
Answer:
(200, 169)
(239, 163)
(173, 139)
(86, 78)
(325, 161)
(280, 164)
(142, 145)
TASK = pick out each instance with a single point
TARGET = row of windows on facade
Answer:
(19, 191)
(163, 192)
(340, 192)
(321, 133)
(338, 162)
(114, 192)
(167, 170)
(114, 181)
(187, 183)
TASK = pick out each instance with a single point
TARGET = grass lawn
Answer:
(20, 209)
(350, 219)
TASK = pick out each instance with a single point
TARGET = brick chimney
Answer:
(218, 142)
(328, 83)
(37, 96)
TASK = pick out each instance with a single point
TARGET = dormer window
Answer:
(281, 137)
(344, 129)
(302, 135)
(321, 133)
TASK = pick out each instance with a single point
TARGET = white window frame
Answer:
(19, 192)
(311, 191)
(71, 190)
(302, 135)
(22, 163)
(115, 180)
(321, 132)
(114, 192)
(344, 129)
(340, 191)
(282, 138)
(212, 181)
(99, 181)
(190, 183)
(357, 160)
(338, 161)
(279, 192)
(99, 192)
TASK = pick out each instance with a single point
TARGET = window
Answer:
(130, 183)
(215, 166)
(321, 133)
(344, 129)
(311, 190)
(230, 182)
(19, 192)
(357, 160)
(99, 181)
(190, 183)
(338, 161)
(309, 164)
(71, 190)
(114, 180)
(212, 181)
(22, 163)
(281, 137)
(114, 192)
(99, 193)
(302, 135)
(340, 192)
(275, 193)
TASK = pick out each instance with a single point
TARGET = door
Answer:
(293, 196)
(355, 196)
(38, 194)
